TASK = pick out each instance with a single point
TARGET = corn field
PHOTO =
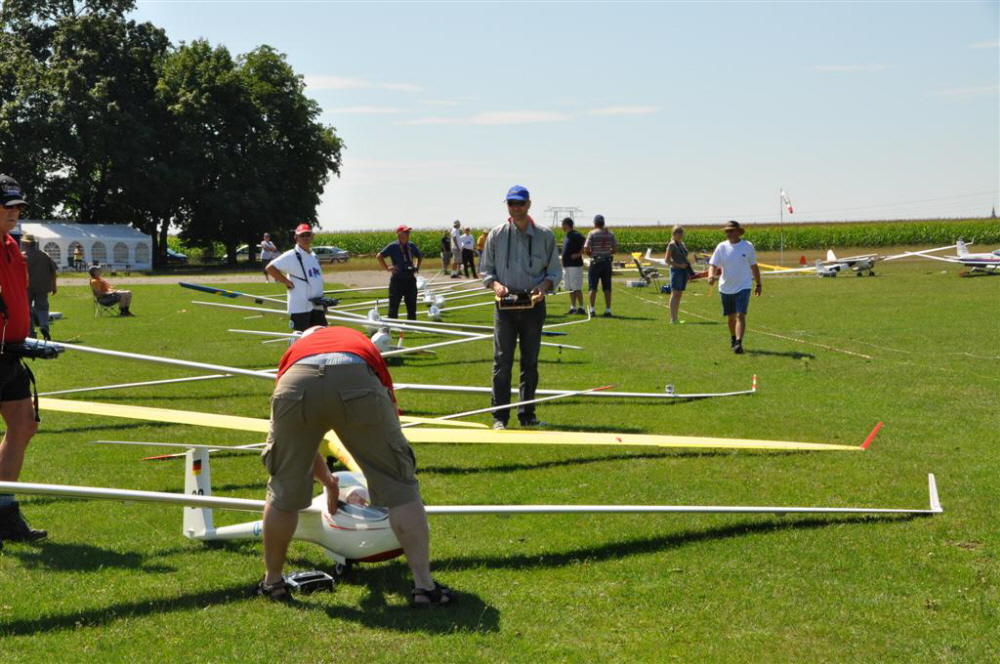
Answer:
(764, 237)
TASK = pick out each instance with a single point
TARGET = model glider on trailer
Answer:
(361, 533)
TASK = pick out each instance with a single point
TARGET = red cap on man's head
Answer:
(403, 229)
(303, 228)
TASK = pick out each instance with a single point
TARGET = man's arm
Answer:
(553, 273)
(278, 276)
(381, 261)
(756, 278)
(329, 480)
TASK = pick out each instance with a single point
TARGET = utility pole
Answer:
(561, 212)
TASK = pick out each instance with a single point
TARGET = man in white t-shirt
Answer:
(456, 249)
(737, 260)
(298, 269)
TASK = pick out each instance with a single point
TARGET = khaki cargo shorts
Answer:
(310, 400)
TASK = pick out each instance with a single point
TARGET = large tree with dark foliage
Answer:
(103, 122)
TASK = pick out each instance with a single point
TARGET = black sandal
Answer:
(276, 592)
(439, 595)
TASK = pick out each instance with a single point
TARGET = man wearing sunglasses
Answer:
(15, 384)
(519, 257)
(298, 269)
(737, 259)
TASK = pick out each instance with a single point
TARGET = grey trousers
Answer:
(39, 310)
(512, 328)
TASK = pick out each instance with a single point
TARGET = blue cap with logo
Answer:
(517, 193)
(10, 192)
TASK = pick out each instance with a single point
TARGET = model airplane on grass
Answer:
(832, 266)
(985, 262)
(358, 533)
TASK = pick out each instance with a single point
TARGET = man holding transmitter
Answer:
(520, 258)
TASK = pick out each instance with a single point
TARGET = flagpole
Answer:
(781, 227)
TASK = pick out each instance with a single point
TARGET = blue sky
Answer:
(644, 112)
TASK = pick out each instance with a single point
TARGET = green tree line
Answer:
(103, 120)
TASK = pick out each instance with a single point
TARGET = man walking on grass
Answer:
(737, 261)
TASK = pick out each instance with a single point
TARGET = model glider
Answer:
(451, 435)
(357, 533)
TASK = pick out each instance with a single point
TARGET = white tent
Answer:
(116, 246)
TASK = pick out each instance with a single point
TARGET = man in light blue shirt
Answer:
(518, 257)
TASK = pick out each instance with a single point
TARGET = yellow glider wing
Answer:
(490, 437)
(231, 422)
(449, 436)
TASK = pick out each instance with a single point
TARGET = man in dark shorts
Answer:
(737, 259)
(406, 261)
(600, 246)
(335, 378)
(15, 389)
(572, 262)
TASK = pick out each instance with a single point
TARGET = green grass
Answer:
(120, 583)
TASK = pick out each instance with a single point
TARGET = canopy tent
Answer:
(115, 246)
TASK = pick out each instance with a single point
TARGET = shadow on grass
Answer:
(470, 615)
(544, 465)
(121, 426)
(64, 557)
(793, 354)
(636, 547)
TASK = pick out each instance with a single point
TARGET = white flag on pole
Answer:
(787, 201)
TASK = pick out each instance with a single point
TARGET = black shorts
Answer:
(307, 319)
(14, 382)
(600, 272)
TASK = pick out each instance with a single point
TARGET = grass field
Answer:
(916, 347)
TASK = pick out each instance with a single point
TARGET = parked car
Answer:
(331, 254)
(176, 256)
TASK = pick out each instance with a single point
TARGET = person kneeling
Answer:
(107, 295)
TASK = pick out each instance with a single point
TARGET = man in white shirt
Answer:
(456, 249)
(298, 269)
(268, 252)
(737, 260)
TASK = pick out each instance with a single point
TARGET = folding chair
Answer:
(106, 305)
(648, 274)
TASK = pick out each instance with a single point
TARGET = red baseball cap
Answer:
(303, 228)
(403, 228)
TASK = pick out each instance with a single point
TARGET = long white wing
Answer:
(245, 505)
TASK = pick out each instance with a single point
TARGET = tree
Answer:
(259, 160)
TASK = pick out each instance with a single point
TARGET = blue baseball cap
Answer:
(517, 193)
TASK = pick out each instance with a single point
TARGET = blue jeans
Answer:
(511, 328)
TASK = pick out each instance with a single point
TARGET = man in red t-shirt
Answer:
(335, 378)
(15, 388)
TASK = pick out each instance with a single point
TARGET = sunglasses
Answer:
(516, 203)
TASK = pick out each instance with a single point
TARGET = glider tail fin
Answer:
(830, 256)
(961, 248)
(198, 522)
(935, 500)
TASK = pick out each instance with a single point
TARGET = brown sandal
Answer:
(439, 595)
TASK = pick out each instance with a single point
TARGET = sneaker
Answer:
(499, 425)
(738, 347)
(571, 312)
(592, 312)
(532, 422)
(13, 527)
(607, 313)
(732, 342)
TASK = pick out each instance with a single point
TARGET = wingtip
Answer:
(933, 491)
(871, 436)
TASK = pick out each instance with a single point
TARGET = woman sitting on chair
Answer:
(107, 295)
